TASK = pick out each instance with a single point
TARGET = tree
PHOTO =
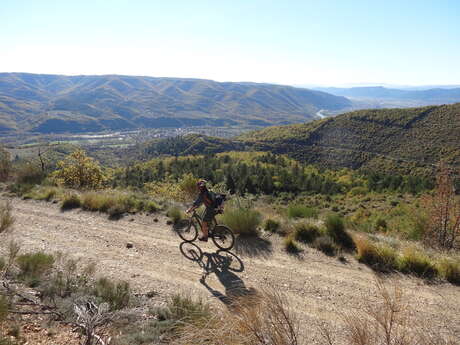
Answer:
(443, 208)
(78, 170)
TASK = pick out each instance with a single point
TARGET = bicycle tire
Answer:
(223, 237)
(188, 233)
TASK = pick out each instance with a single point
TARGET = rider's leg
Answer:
(204, 228)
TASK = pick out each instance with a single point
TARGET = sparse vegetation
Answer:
(306, 233)
(290, 245)
(33, 266)
(301, 211)
(175, 214)
(335, 227)
(116, 294)
(70, 201)
(271, 225)
(6, 216)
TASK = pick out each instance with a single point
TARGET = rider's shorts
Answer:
(208, 214)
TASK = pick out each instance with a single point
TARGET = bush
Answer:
(379, 257)
(301, 211)
(28, 173)
(243, 221)
(78, 170)
(336, 230)
(175, 214)
(380, 224)
(42, 193)
(306, 233)
(290, 245)
(70, 201)
(326, 245)
(151, 206)
(184, 309)
(33, 266)
(6, 217)
(117, 295)
(449, 269)
(4, 305)
(415, 262)
(272, 225)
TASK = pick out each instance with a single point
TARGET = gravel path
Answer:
(319, 288)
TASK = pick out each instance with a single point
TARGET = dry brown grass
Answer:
(389, 321)
(264, 319)
(6, 216)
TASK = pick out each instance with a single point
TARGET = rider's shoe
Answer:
(203, 238)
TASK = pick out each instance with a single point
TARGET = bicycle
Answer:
(220, 234)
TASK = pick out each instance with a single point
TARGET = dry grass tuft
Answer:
(6, 217)
(255, 320)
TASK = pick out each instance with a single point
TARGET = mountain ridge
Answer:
(47, 103)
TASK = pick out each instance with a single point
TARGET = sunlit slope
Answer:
(371, 138)
(55, 103)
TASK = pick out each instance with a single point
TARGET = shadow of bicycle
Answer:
(224, 265)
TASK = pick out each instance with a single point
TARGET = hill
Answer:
(383, 139)
(432, 96)
(56, 104)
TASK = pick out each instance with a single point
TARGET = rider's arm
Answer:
(197, 203)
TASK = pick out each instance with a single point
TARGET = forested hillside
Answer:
(387, 139)
(57, 104)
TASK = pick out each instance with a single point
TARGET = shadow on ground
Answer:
(253, 246)
(224, 265)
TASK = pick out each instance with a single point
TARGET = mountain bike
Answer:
(220, 234)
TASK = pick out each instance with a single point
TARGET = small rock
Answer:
(169, 222)
(155, 220)
(131, 220)
(129, 245)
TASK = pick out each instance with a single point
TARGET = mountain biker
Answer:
(207, 198)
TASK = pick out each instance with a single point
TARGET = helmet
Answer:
(201, 183)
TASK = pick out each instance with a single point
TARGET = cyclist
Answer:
(209, 199)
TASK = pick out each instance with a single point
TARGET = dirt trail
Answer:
(319, 287)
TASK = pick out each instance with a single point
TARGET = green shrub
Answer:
(272, 225)
(301, 211)
(117, 295)
(243, 221)
(415, 262)
(175, 214)
(290, 245)
(20, 189)
(336, 230)
(380, 257)
(47, 193)
(28, 173)
(185, 310)
(380, 224)
(306, 233)
(326, 245)
(4, 305)
(71, 201)
(33, 266)
(6, 216)
(449, 269)
(93, 201)
(151, 206)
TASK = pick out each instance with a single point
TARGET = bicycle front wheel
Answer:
(223, 237)
(189, 232)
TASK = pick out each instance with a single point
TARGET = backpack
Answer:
(219, 202)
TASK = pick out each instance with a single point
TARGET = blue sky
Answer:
(404, 42)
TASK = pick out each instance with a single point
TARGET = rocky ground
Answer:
(319, 288)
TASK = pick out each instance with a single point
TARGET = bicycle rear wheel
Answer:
(189, 232)
(223, 237)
